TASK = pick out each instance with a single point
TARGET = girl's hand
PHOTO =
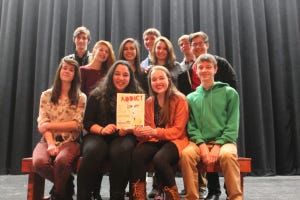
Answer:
(144, 131)
(52, 150)
(109, 129)
(43, 127)
(123, 132)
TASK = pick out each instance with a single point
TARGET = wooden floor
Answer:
(14, 187)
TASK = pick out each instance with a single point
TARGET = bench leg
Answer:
(242, 182)
(36, 185)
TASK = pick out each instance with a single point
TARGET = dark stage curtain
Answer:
(261, 38)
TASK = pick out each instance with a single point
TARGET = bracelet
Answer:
(100, 130)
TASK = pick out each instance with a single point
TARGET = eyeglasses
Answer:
(199, 44)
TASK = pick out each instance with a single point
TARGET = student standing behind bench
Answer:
(59, 122)
(81, 39)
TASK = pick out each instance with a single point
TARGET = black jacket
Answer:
(224, 74)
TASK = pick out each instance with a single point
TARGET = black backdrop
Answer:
(261, 38)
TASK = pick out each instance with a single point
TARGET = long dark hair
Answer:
(139, 73)
(137, 59)
(171, 58)
(106, 90)
(75, 84)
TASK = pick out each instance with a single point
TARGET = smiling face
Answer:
(101, 53)
(121, 77)
(81, 41)
(159, 81)
(185, 47)
(129, 51)
(199, 46)
(67, 72)
(161, 51)
(149, 40)
(206, 71)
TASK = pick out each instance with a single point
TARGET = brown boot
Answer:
(138, 190)
(171, 193)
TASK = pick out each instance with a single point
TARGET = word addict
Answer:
(136, 97)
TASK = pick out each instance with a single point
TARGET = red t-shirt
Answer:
(195, 78)
(89, 79)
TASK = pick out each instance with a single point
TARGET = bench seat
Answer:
(36, 183)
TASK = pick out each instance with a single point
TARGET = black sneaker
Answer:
(70, 187)
(96, 197)
(153, 193)
(182, 192)
(212, 196)
(202, 193)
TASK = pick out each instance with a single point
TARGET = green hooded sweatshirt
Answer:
(214, 114)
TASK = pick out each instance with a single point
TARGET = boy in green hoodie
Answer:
(212, 129)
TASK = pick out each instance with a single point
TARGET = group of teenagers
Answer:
(191, 118)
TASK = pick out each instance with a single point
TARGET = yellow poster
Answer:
(130, 110)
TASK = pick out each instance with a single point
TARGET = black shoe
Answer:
(212, 197)
(202, 193)
(96, 197)
(182, 193)
(59, 197)
(153, 193)
(70, 187)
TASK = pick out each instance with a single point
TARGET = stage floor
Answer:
(14, 187)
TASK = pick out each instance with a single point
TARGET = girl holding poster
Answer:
(104, 141)
(163, 137)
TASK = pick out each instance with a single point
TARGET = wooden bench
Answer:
(36, 183)
(245, 167)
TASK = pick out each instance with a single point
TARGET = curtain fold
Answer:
(260, 38)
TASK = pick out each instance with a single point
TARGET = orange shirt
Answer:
(175, 130)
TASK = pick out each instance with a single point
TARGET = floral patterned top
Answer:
(63, 111)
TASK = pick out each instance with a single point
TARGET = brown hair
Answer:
(82, 29)
(171, 90)
(171, 55)
(201, 34)
(75, 84)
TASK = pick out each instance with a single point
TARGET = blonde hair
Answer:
(111, 58)
(152, 31)
(183, 37)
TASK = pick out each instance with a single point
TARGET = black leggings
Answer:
(98, 149)
(163, 155)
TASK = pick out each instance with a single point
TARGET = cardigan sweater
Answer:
(175, 129)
